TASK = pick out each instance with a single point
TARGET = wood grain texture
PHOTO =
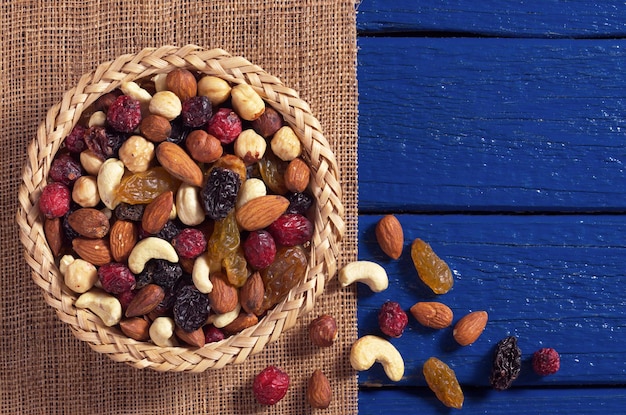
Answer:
(535, 18)
(552, 281)
(491, 124)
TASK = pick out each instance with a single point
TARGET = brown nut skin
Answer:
(203, 147)
(157, 213)
(251, 294)
(182, 82)
(390, 236)
(323, 331)
(319, 393)
(54, 234)
(297, 175)
(123, 237)
(194, 338)
(147, 299)
(432, 314)
(268, 123)
(224, 297)
(469, 328)
(155, 128)
(137, 328)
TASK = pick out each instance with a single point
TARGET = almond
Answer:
(224, 296)
(54, 235)
(468, 329)
(155, 128)
(195, 338)
(177, 163)
(243, 321)
(89, 222)
(297, 175)
(432, 314)
(122, 238)
(146, 300)
(157, 213)
(319, 393)
(96, 251)
(261, 211)
(251, 294)
(390, 236)
(136, 328)
(182, 82)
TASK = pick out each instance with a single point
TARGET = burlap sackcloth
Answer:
(46, 46)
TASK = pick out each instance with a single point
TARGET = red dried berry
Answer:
(189, 243)
(125, 298)
(116, 278)
(65, 169)
(291, 229)
(270, 385)
(212, 334)
(75, 141)
(124, 114)
(196, 111)
(259, 249)
(54, 201)
(392, 319)
(225, 125)
(546, 361)
(104, 143)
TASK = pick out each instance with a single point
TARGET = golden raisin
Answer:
(287, 271)
(442, 380)
(143, 187)
(272, 171)
(432, 270)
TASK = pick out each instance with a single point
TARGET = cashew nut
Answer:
(147, 249)
(371, 349)
(188, 206)
(109, 178)
(223, 320)
(80, 276)
(102, 304)
(162, 332)
(200, 275)
(367, 272)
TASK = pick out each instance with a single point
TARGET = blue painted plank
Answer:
(491, 125)
(543, 18)
(576, 401)
(552, 281)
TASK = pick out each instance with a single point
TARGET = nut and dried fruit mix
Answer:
(168, 196)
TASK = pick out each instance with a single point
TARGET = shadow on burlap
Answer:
(311, 47)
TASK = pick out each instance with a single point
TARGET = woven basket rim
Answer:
(329, 226)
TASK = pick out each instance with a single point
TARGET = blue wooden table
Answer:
(496, 131)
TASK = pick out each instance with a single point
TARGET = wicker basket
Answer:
(325, 186)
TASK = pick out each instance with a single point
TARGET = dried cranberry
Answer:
(189, 243)
(225, 125)
(102, 142)
(116, 278)
(54, 201)
(191, 308)
(124, 114)
(125, 298)
(75, 141)
(299, 202)
(196, 111)
(291, 229)
(259, 249)
(65, 169)
(392, 319)
(270, 385)
(546, 361)
(212, 334)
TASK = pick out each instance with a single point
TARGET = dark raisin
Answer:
(75, 141)
(299, 202)
(220, 193)
(179, 132)
(169, 231)
(65, 169)
(191, 308)
(124, 114)
(68, 232)
(126, 211)
(104, 143)
(196, 111)
(160, 272)
(507, 363)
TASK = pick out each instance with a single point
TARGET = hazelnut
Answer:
(155, 128)
(323, 331)
(268, 123)
(247, 103)
(136, 153)
(97, 119)
(285, 144)
(166, 104)
(183, 83)
(203, 147)
(216, 89)
(250, 146)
